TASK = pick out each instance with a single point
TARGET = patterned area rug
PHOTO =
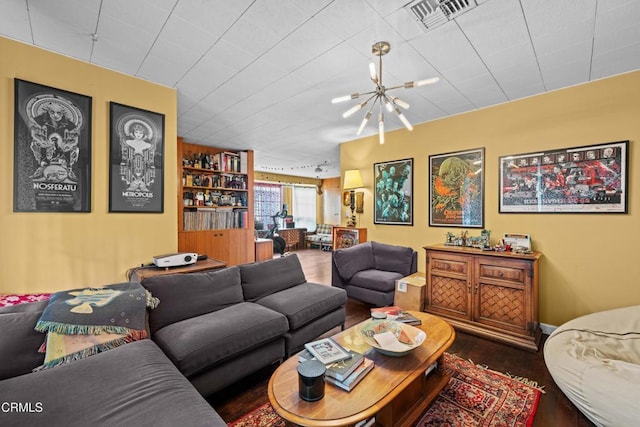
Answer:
(475, 396)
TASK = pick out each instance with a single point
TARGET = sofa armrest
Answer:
(414, 263)
(336, 279)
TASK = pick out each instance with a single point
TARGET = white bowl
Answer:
(399, 330)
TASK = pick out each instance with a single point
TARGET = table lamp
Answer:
(352, 180)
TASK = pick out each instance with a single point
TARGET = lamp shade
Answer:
(352, 179)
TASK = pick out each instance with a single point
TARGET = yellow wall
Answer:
(53, 251)
(588, 259)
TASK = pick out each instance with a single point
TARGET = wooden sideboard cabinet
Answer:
(491, 294)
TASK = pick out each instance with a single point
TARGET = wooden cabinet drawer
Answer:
(449, 265)
(509, 274)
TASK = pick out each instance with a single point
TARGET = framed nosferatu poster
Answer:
(52, 150)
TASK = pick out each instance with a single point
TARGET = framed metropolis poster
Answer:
(52, 149)
(456, 189)
(587, 179)
(136, 160)
(393, 192)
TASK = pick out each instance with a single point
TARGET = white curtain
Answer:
(304, 207)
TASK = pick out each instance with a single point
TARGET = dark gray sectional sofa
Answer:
(210, 329)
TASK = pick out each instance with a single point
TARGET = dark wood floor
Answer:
(554, 408)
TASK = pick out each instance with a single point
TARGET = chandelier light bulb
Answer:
(372, 71)
(345, 98)
(381, 127)
(353, 109)
(364, 122)
(426, 81)
(404, 120)
(400, 103)
(387, 104)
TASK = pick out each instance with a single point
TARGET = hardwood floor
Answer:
(554, 408)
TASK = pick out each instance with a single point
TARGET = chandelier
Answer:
(380, 95)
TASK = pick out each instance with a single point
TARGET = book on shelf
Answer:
(398, 314)
(327, 351)
(356, 376)
(243, 162)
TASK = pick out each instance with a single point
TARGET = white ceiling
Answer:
(260, 74)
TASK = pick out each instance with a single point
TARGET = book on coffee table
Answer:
(398, 314)
(356, 376)
(342, 369)
(338, 370)
(327, 351)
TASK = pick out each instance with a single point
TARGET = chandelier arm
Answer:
(380, 70)
(366, 118)
(402, 86)
(350, 97)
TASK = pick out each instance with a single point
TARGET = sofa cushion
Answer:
(19, 341)
(132, 385)
(200, 342)
(378, 280)
(188, 295)
(324, 229)
(392, 258)
(263, 278)
(305, 303)
(320, 238)
(349, 261)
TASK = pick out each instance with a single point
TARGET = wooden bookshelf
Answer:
(215, 202)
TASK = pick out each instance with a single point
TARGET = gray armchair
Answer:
(368, 271)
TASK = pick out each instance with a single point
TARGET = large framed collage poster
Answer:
(52, 150)
(588, 179)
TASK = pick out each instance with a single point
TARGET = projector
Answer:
(175, 260)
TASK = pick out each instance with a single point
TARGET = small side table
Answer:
(264, 249)
(138, 274)
(410, 292)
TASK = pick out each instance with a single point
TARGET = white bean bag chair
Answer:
(595, 361)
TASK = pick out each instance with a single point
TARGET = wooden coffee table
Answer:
(396, 391)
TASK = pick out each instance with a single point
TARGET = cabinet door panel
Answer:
(504, 307)
(449, 296)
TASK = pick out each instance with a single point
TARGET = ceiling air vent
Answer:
(433, 13)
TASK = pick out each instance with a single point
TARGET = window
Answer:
(304, 207)
(267, 202)
(269, 199)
